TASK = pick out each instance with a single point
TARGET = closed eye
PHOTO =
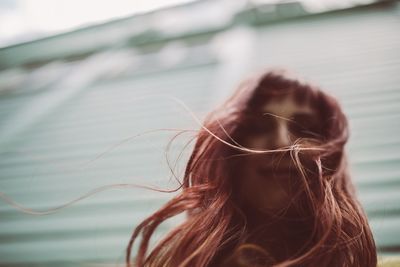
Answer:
(260, 125)
(306, 125)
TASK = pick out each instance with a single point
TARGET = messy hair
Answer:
(214, 230)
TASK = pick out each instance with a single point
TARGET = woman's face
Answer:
(268, 181)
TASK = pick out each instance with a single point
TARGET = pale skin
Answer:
(267, 180)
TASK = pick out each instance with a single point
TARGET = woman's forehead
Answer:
(286, 106)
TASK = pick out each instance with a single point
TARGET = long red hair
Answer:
(215, 229)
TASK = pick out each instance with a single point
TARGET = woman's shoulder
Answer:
(389, 261)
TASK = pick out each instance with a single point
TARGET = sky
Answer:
(25, 20)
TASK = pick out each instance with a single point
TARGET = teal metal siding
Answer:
(352, 54)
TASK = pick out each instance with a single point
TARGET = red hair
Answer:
(215, 230)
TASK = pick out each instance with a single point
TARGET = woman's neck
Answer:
(282, 236)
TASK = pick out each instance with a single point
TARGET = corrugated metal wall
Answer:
(353, 54)
(43, 168)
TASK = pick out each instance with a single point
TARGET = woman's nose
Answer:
(282, 135)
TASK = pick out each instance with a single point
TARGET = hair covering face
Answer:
(268, 163)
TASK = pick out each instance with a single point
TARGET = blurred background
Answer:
(86, 101)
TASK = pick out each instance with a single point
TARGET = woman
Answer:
(266, 185)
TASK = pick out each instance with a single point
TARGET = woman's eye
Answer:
(261, 125)
(306, 125)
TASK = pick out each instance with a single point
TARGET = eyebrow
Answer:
(276, 116)
(305, 114)
(291, 118)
